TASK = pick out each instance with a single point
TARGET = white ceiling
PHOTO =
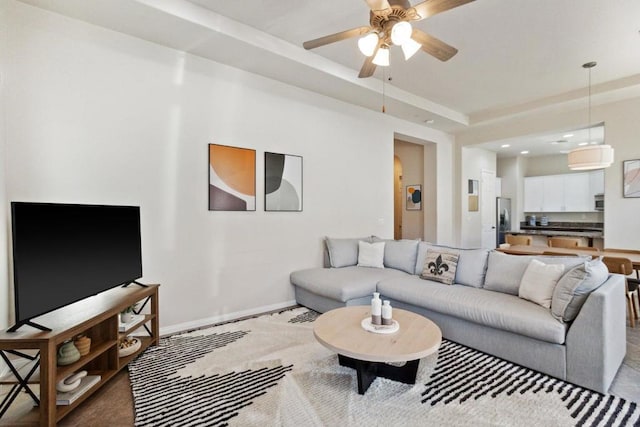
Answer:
(514, 56)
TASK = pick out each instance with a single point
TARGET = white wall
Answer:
(473, 161)
(412, 158)
(4, 221)
(94, 116)
(622, 128)
(511, 171)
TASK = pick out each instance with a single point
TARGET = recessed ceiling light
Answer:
(583, 144)
(505, 146)
(569, 135)
(524, 152)
(564, 151)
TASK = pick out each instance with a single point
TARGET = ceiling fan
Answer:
(390, 25)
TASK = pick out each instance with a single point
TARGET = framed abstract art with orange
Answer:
(232, 178)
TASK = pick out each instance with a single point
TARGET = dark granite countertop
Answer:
(564, 226)
(570, 229)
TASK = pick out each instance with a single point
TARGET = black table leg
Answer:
(368, 371)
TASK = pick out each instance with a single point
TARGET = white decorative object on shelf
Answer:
(85, 384)
(380, 329)
(386, 313)
(135, 320)
(376, 309)
(128, 346)
(71, 382)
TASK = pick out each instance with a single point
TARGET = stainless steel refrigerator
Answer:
(503, 218)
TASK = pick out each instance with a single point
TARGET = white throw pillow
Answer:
(539, 281)
(371, 254)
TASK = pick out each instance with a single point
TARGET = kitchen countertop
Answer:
(570, 229)
(542, 231)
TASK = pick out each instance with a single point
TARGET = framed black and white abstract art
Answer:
(282, 182)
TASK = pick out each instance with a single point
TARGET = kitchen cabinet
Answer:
(533, 194)
(562, 193)
(577, 193)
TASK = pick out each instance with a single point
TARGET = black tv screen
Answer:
(63, 253)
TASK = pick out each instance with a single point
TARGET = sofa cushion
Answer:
(493, 309)
(343, 252)
(440, 266)
(371, 254)
(574, 287)
(472, 263)
(401, 254)
(505, 271)
(538, 282)
(342, 284)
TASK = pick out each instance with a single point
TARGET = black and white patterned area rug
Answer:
(270, 371)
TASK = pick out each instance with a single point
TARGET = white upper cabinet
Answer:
(577, 193)
(533, 194)
(553, 198)
(563, 193)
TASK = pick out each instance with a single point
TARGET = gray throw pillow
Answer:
(343, 252)
(440, 266)
(472, 267)
(401, 255)
(504, 271)
(574, 288)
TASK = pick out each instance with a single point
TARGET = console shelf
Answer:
(95, 317)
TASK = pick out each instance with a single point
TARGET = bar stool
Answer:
(624, 266)
(518, 240)
(564, 242)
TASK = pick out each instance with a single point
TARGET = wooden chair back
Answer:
(618, 265)
(564, 242)
(518, 240)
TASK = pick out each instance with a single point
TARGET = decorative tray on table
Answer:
(379, 329)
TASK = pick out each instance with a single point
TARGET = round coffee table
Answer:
(370, 353)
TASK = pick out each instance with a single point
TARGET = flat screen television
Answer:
(63, 253)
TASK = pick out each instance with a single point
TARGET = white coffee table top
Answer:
(339, 330)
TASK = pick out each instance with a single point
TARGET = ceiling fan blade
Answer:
(332, 38)
(432, 7)
(378, 5)
(434, 46)
(368, 68)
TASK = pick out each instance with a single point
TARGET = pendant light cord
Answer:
(384, 80)
(590, 105)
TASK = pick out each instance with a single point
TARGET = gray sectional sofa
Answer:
(580, 338)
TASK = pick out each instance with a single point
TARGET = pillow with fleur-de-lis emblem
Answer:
(440, 266)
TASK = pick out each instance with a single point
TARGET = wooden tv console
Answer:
(95, 317)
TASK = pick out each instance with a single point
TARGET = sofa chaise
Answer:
(563, 316)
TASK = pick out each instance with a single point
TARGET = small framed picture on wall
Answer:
(631, 178)
(473, 195)
(413, 196)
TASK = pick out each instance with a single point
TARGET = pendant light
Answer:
(591, 156)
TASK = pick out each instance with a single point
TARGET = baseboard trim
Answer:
(196, 324)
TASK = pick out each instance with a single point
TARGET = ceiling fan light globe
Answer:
(401, 32)
(409, 48)
(367, 44)
(382, 57)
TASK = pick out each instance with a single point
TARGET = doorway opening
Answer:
(408, 190)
